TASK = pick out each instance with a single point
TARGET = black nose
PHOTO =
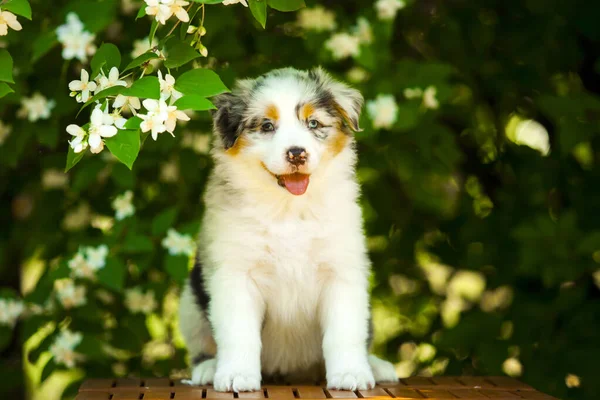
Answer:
(296, 155)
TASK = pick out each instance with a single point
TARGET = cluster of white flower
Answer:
(387, 9)
(429, 96)
(4, 132)
(230, 2)
(343, 45)
(77, 42)
(88, 260)
(63, 348)
(77, 218)
(10, 311)
(317, 19)
(357, 74)
(363, 31)
(137, 301)
(162, 10)
(383, 111)
(123, 205)
(36, 107)
(102, 125)
(177, 244)
(8, 19)
(69, 294)
(162, 117)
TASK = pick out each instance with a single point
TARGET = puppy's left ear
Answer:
(347, 101)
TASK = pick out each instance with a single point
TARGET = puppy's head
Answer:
(287, 124)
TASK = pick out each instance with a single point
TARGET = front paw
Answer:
(230, 379)
(351, 378)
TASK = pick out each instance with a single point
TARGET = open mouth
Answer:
(295, 183)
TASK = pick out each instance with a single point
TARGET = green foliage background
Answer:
(442, 186)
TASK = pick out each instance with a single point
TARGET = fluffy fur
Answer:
(280, 288)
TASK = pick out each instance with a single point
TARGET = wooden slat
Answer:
(436, 394)
(153, 383)
(157, 394)
(126, 394)
(194, 394)
(447, 381)
(404, 393)
(467, 393)
(475, 382)
(280, 392)
(418, 381)
(93, 396)
(373, 393)
(97, 384)
(499, 394)
(341, 394)
(310, 392)
(505, 382)
(128, 383)
(259, 394)
(213, 394)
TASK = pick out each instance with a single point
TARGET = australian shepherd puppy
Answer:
(280, 285)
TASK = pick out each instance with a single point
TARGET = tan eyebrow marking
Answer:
(272, 113)
(306, 111)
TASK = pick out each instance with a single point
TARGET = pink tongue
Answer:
(296, 183)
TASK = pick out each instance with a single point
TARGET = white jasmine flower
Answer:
(4, 132)
(142, 46)
(104, 82)
(99, 128)
(572, 381)
(387, 9)
(8, 19)
(78, 143)
(123, 206)
(36, 107)
(77, 43)
(357, 74)
(167, 87)
(173, 114)
(84, 86)
(10, 311)
(156, 118)
(533, 134)
(176, 7)
(229, 2)
(161, 11)
(80, 267)
(512, 367)
(62, 349)
(316, 19)
(114, 118)
(468, 285)
(383, 111)
(413, 93)
(102, 222)
(200, 143)
(127, 103)
(177, 243)
(363, 31)
(138, 302)
(69, 294)
(429, 100)
(96, 257)
(78, 218)
(343, 45)
(54, 179)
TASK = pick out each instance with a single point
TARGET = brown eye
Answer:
(268, 127)
(313, 124)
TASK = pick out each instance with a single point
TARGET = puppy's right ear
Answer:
(227, 118)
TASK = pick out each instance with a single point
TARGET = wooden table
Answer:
(498, 388)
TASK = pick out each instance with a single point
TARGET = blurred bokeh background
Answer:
(478, 163)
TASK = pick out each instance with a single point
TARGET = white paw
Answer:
(383, 371)
(357, 378)
(228, 379)
(204, 373)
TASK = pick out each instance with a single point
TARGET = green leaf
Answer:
(5, 89)
(180, 54)
(5, 336)
(153, 28)
(259, 10)
(149, 55)
(113, 274)
(111, 91)
(106, 57)
(34, 354)
(163, 221)
(177, 267)
(286, 5)
(6, 66)
(200, 82)
(148, 87)
(49, 368)
(141, 12)
(91, 348)
(125, 145)
(133, 123)
(19, 7)
(135, 243)
(193, 102)
(43, 44)
(207, 1)
(73, 158)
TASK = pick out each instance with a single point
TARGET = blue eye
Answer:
(268, 127)
(313, 124)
